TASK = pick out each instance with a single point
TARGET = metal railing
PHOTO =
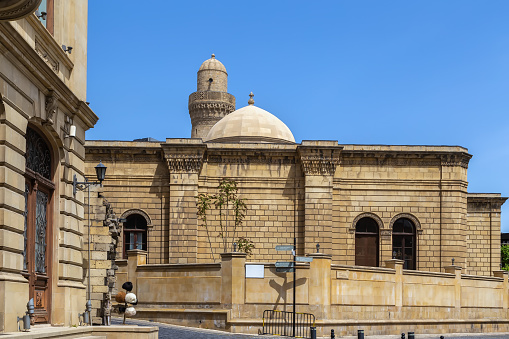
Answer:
(280, 323)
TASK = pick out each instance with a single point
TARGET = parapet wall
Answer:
(386, 300)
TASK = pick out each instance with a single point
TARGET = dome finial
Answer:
(213, 56)
(251, 100)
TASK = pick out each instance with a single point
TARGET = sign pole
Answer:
(294, 276)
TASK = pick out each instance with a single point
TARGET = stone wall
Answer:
(317, 189)
(381, 300)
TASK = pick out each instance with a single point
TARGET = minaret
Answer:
(211, 102)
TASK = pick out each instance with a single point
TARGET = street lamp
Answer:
(100, 171)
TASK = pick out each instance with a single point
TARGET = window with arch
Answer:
(39, 189)
(366, 242)
(135, 233)
(403, 242)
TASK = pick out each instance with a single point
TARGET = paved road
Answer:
(179, 332)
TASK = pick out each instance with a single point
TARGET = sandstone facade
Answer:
(42, 94)
(414, 198)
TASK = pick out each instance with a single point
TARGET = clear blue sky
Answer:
(417, 72)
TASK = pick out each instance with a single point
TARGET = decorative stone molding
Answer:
(51, 61)
(366, 215)
(184, 158)
(51, 106)
(316, 160)
(17, 9)
(412, 218)
(139, 212)
(485, 202)
(461, 159)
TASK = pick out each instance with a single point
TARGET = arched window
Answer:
(38, 223)
(366, 242)
(135, 233)
(403, 242)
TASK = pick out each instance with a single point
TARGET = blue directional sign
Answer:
(284, 264)
(284, 247)
(303, 259)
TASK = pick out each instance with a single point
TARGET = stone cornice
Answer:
(34, 67)
(486, 201)
(184, 158)
(404, 158)
(319, 160)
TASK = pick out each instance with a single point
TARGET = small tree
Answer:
(232, 211)
(504, 258)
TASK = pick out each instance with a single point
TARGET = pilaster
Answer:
(184, 164)
(319, 160)
(320, 283)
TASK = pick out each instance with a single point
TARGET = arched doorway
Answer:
(39, 189)
(366, 242)
(403, 242)
(135, 233)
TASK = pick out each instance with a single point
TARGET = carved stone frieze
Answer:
(319, 161)
(461, 160)
(17, 9)
(250, 159)
(43, 53)
(184, 163)
(184, 159)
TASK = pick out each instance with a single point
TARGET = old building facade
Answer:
(363, 204)
(42, 102)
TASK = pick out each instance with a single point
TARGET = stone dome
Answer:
(212, 64)
(250, 124)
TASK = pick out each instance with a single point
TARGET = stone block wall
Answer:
(103, 233)
(137, 180)
(483, 237)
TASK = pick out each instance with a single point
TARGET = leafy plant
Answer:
(245, 245)
(505, 257)
(232, 211)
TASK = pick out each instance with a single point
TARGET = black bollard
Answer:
(411, 335)
(402, 335)
(332, 335)
(313, 332)
(441, 337)
(360, 334)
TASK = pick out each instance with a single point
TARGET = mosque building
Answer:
(363, 204)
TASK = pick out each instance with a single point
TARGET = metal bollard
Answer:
(332, 335)
(411, 335)
(402, 335)
(360, 334)
(313, 332)
(441, 337)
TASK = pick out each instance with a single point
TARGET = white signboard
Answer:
(255, 271)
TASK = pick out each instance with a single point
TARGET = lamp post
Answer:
(100, 171)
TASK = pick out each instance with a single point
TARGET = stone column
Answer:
(397, 265)
(233, 273)
(184, 164)
(320, 285)
(453, 207)
(505, 290)
(319, 160)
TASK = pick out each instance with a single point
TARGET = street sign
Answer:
(304, 259)
(284, 247)
(285, 269)
(284, 264)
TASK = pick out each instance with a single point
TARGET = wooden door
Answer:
(366, 250)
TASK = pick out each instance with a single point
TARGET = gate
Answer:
(280, 323)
